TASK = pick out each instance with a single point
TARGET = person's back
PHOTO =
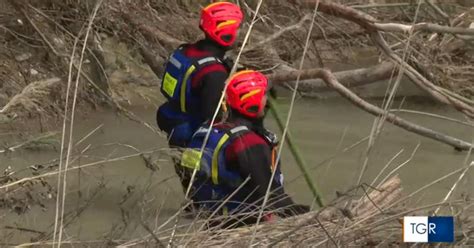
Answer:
(238, 160)
(195, 74)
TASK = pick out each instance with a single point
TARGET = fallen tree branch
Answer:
(332, 81)
(369, 23)
(350, 78)
(328, 7)
(421, 81)
(425, 27)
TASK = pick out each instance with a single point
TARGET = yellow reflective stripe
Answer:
(183, 88)
(215, 159)
(251, 93)
(229, 22)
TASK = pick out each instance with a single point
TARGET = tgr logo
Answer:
(424, 229)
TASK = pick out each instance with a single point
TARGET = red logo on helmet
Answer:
(221, 21)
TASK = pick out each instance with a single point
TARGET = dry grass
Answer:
(35, 97)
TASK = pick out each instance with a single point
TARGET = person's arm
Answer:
(254, 161)
(212, 85)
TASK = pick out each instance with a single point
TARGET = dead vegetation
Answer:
(39, 39)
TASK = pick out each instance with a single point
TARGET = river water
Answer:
(132, 194)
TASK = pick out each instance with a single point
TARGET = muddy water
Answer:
(131, 192)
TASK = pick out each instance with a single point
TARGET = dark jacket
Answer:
(208, 83)
(251, 155)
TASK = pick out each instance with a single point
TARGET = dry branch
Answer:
(369, 23)
(426, 27)
(280, 33)
(422, 82)
(350, 78)
(332, 81)
(364, 20)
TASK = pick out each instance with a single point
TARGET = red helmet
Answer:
(221, 21)
(245, 92)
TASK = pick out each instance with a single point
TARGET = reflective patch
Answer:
(201, 130)
(205, 60)
(191, 158)
(175, 62)
(169, 84)
(238, 129)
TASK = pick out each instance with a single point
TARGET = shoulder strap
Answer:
(205, 61)
(238, 130)
(232, 132)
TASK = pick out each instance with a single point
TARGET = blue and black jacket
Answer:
(233, 153)
(192, 83)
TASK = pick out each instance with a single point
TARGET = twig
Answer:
(398, 167)
(386, 166)
(280, 148)
(157, 240)
(432, 115)
(295, 151)
(468, 155)
(63, 136)
(27, 179)
(280, 33)
(439, 11)
(35, 139)
(71, 125)
(23, 229)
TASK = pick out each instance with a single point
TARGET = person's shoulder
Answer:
(246, 140)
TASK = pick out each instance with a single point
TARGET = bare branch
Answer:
(331, 80)
(281, 32)
(350, 78)
(425, 27)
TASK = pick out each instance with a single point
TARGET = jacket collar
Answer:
(254, 124)
(211, 46)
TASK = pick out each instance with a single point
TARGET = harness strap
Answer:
(196, 66)
(208, 60)
(191, 158)
(215, 159)
(215, 156)
(184, 86)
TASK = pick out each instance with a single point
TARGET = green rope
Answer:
(296, 154)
